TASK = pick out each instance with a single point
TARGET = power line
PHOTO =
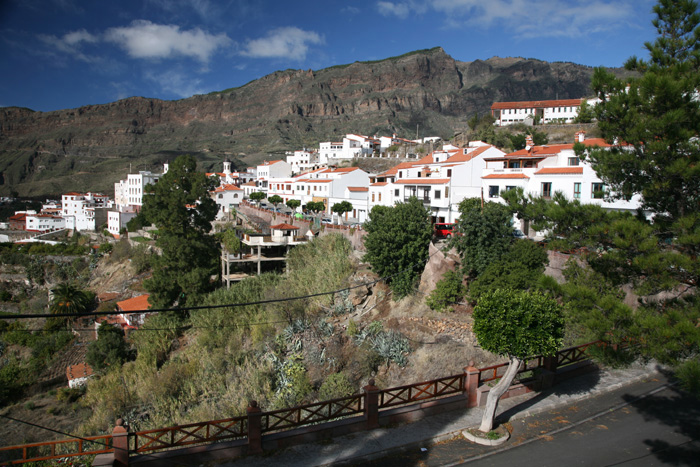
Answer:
(210, 307)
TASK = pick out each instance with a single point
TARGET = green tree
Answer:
(397, 243)
(448, 291)
(230, 241)
(315, 206)
(585, 114)
(520, 268)
(484, 234)
(293, 204)
(515, 324)
(341, 208)
(275, 199)
(258, 196)
(109, 350)
(68, 298)
(182, 209)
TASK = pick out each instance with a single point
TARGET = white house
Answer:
(548, 111)
(86, 211)
(227, 197)
(117, 220)
(544, 170)
(271, 169)
(44, 222)
(301, 161)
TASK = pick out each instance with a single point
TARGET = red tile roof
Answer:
(560, 170)
(227, 188)
(139, 303)
(423, 181)
(499, 175)
(284, 227)
(81, 370)
(379, 184)
(536, 104)
(357, 188)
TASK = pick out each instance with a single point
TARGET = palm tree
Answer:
(68, 299)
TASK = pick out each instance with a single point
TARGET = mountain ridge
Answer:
(93, 146)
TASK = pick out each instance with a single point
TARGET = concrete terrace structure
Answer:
(562, 111)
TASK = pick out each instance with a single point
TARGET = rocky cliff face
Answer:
(89, 148)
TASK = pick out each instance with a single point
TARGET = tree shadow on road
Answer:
(561, 391)
(680, 411)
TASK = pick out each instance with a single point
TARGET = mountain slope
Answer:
(91, 147)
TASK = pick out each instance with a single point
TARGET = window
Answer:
(598, 191)
(449, 173)
(373, 197)
(508, 188)
(573, 161)
(493, 191)
(380, 197)
(437, 194)
(396, 192)
(546, 189)
(220, 196)
(447, 191)
(577, 190)
(400, 174)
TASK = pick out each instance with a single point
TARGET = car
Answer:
(326, 220)
(443, 230)
(517, 233)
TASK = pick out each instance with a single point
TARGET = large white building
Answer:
(84, 211)
(544, 170)
(552, 111)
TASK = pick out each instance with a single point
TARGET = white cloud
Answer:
(176, 83)
(287, 42)
(144, 39)
(540, 18)
(71, 44)
(350, 10)
(403, 9)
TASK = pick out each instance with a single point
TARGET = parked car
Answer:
(326, 220)
(517, 233)
(443, 230)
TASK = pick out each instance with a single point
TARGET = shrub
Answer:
(448, 290)
(29, 405)
(335, 386)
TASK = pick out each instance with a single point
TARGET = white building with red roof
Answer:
(227, 197)
(84, 211)
(546, 111)
(78, 375)
(544, 170)
(440, 180)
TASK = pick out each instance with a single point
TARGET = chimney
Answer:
(580, 136)
(528, 142)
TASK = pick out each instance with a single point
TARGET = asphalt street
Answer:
(645, 423)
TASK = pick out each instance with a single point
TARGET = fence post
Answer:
(371, 405)
(471, 383)
(550, 363)
(254, 428)
(120, 444)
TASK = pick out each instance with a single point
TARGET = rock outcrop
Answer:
(89, 148)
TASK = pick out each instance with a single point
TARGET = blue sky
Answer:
(58, 54)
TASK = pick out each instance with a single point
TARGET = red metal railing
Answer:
(55, 449)
(186, 435)
(421, 391)
(312, 413)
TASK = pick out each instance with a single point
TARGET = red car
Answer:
(443, 230)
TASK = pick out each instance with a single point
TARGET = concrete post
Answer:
(254, 428)
(120, 444)
(471, 383)
(371, 405)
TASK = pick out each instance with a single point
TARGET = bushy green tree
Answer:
(181, 208)
(258, 196)
(315, 206)
(275, 199)
(585, 114)
(448, 291)
(109, 350)
(484, 234)
(293, 204)
(515, 324)
(520, 268)
(397, 243)
(342, 207)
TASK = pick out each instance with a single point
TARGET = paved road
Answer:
(647, 423)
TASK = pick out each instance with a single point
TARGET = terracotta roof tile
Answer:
(139, 303)
(559, 170)
(500, 175)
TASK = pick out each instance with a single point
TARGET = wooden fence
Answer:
(256, 423)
